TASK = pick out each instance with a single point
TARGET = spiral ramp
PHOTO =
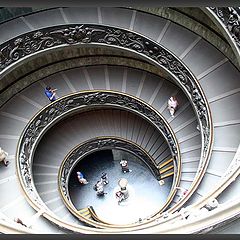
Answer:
(217, 76)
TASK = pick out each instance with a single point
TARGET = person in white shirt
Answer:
(98, 185)
(124, 165)
(3, 157)
(172, 105)
(100, 191)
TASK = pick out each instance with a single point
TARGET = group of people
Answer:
(99, 186)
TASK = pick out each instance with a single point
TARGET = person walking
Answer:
(104, 178)
(18, 220)
(98, 184)
(81, 178)
(120, 196)
(172, 105)
(3, 157)
(100, 191)
(51, 93)
(124, 165)
(183, 192)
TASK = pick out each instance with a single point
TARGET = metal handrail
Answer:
(228, 21)
(152, 51)
(55, 111)
(90, 146)
(18, 49)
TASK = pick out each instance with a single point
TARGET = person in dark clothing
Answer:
(18, 220)
(104, 178)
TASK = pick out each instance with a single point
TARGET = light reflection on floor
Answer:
(146, 196)
(128, 211)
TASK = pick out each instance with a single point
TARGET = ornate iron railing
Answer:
(28, 45)
(230, 17)
(97, 144)
(42, 40)
(4, 57)
(81, 101)
(229, 20)
(93, 145)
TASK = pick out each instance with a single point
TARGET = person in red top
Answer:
(183, 192)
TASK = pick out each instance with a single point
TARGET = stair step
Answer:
(166, 169)
(165, 163)
(167, 175)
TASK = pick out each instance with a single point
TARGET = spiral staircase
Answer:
(115, 69)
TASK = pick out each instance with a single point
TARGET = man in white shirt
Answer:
(124, 165)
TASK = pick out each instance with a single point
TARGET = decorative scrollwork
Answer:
(23, 46)
(27, 44)
(230, 17)
(60, 108)
(92, 145)
(123, 39)
(75, 34)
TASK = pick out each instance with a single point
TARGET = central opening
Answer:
(145, 195)
(137, 140)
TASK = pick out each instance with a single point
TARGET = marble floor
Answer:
(146, 196)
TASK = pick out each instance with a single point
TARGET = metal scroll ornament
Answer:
(73, 103)
(31, 43)
(93, 145)
(230, 17)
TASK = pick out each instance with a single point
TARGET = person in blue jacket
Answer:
(50, 93)
(81, 178)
